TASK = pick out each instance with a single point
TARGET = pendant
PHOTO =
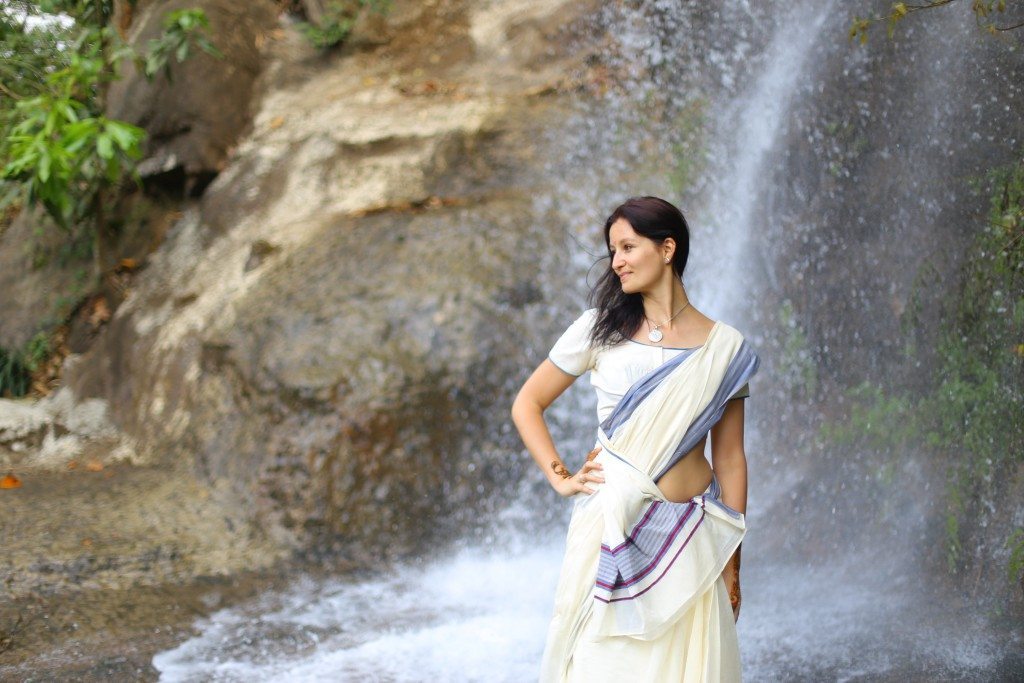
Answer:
(655, 335)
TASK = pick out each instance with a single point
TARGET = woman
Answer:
(652, 558)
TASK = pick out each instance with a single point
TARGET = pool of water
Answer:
(481, 615)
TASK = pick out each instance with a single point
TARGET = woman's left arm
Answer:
(727, 456)
(730, 464)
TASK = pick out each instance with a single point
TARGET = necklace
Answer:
(655, 334)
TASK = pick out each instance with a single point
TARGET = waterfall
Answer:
(747, 135)
(479, 611)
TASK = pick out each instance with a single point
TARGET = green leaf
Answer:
(153, 63)
(104, 146)
(113, 171)
(68, 111)
(44, 166)
(208, 47)
(76, 135)
(126, 135)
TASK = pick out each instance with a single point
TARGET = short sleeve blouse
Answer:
(613, 368)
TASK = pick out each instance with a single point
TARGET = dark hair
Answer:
(619, 315)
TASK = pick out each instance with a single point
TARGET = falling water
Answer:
(479, 613)
(748, 130)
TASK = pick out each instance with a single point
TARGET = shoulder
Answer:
(585, 321)
(727, 331)
(729, 334)
(573, 352)
(739, 346)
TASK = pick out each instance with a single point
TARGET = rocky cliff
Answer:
(317, 354)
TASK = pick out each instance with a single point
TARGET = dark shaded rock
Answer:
(196, 118)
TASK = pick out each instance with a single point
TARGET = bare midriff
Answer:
(687, 478)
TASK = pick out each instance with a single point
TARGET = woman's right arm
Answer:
(547, 383)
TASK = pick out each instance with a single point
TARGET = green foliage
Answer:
(976, 407)
(877, 421)
(339, 18)
(970, 416)
(61, 155)
(15, 378)
(181, 27)
(16, 367)
(688, 151)
(987, 13)
(797, 364)
(36, 351)
(1016, 564)
(57, 150)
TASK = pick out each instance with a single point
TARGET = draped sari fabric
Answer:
(640, 583)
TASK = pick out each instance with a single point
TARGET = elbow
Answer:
(517, 407)
(523, 406)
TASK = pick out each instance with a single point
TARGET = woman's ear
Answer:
(668, 248)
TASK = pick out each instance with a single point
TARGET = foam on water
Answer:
(482, 616)
(474, 617)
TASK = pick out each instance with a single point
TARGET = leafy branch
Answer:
(57, 149)
(985, 12)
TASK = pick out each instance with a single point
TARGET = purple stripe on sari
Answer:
(667, 567)
(646, 537)
(636, 530)
(638, 573)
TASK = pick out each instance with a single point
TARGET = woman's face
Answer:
(638, 261)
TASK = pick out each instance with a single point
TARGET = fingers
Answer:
(588, 474)
(593, 454)
(591, 471)
(580, 481)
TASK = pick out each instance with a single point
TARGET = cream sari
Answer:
(640, 595)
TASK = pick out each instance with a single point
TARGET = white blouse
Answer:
(613, 369)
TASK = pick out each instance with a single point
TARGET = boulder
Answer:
(196, 117)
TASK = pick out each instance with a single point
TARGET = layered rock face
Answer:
(323, 342)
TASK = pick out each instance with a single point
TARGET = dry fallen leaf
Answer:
(10, 481)
(100, 312)
(94, 466)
